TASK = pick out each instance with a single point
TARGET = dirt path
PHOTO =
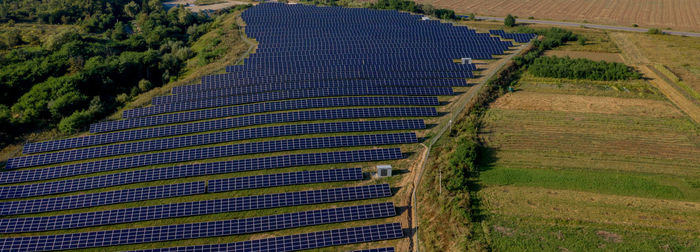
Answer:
(633, 56)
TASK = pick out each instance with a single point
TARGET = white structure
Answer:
(383, 171)
(466, 60)
(425, 18)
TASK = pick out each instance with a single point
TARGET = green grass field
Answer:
(584, 165)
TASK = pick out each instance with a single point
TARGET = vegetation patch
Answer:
(565, 67)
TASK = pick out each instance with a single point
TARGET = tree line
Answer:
(565, 67)
(116, 50)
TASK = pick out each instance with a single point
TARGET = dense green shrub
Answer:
(462, 162)
(509, 21)
(557, 67)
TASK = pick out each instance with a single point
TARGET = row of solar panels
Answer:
(227, 123)
(197, 230)
(45, 223)
(263, 87)
(156, 174)
(250, 70)
(202, 153)
(218, 137)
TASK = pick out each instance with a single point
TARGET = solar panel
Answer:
(101, 198)
(192, 170)
(88, 219)
(260, 108)
(328, 238)
(293, 94)
(198, 230)
(213, 152)
(228, 123)
(167, 191)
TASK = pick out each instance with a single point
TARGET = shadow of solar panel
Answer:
(259, 108)
(45, 223)
(190, 170)
(198, 230)
(335, 237)
(9, 192)
(168, 107)
(227, 123)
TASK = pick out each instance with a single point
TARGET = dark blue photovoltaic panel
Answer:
(102, 198)
(44, 223)
(190, 170)
(518, 37)
(233, 135)
(198, 230)
(282, 95)
(249, 70)
(228, 123)
(22, 191)
(266, 87)
(283, 179)
(297, 242)
(259, 108)
(216, 152)
(361, 101)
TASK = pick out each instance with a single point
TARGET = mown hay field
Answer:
(674, 14)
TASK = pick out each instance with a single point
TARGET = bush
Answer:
(509, 21)
(462, 162)
(566, 67)
(75, 122)
(655, 31)
(145, 85)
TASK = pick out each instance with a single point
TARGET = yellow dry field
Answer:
(674, 14)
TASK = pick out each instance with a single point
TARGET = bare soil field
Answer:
(190, 4)
(597, 56)
(674, 14)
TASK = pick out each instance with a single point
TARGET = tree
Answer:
(509, 21)
(472, 17)
(131, 9)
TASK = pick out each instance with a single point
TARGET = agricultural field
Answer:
(577, 165)
(673, 14)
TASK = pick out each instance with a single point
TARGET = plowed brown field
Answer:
(674, 14)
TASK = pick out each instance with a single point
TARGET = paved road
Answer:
(597, 26)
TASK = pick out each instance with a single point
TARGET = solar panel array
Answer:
(282, 95)
(99, 199)
(197, 230)
(304, 241)
(518, 37)
(259, 108)
(180, 129)
(212, 152)
(88, 219)
(389, 249)
(160, 100)
(190, 170)
(308, 59)
(198, 88)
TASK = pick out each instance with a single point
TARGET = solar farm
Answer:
(276, 154)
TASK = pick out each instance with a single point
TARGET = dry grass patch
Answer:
(586, 104)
